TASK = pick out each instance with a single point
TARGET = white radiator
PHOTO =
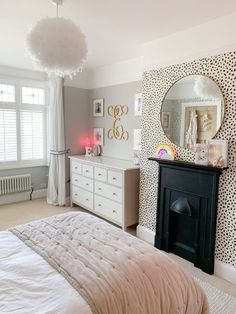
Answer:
(14, 184)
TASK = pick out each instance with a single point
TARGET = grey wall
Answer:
(79, 122)
(39, 175)
(76, 108)
(122, 94)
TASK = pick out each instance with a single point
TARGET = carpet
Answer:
(219, 301)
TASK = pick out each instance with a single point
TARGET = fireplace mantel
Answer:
(185, 164)
(187, 210)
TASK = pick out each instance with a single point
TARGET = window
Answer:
(23, 125)
(34, 96)
(7, 93)
(8, 146)
(31, 135)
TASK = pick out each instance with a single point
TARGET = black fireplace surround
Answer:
(186, 211)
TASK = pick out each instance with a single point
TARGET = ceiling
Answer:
(115, 29)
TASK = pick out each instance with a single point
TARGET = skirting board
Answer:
(24, 196)
(222, 270)
(225, 271)
(145, 234)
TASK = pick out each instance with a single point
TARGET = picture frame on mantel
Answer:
(138, 104)
(98, 107)
(218, 153)
(98, 136)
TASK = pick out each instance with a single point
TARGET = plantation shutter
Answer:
(8, 135)
(32, 135)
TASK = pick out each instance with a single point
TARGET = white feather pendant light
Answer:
(57, 46)
(204, 87)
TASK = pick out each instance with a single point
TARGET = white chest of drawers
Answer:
(108, 187)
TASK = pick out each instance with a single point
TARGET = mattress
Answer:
(30, 285)
(77, 263)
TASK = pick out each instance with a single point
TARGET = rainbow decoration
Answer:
(165, 151)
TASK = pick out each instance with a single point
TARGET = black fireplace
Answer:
(186, 211)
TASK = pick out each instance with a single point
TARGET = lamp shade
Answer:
(57, 46)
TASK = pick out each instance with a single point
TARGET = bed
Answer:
(77, 263)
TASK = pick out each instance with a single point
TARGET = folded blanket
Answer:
(115, 272)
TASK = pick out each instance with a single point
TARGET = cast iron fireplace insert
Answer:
(187, 210)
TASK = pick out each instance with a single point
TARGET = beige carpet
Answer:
(219, 291)
(19, 213)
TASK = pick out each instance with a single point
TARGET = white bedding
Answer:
(30, 285)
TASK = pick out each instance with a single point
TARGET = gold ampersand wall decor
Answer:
(117, 132)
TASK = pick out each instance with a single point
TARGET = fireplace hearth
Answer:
(187, 210)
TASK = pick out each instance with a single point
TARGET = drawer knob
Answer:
(114, 211)
(114, 193)
(99, 189)
(76, 194)
(76, 180)
(99, 205)
(86, 171)
(87, 184)
(76, 167)
(99, 174)
(87, 200)
(114, 178)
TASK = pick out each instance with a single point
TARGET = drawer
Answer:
(100, 174)
(87, 171)
(108, 208)
(82, 182)
(115, 178)
(76, 167)
(108, 191)
(82, 197)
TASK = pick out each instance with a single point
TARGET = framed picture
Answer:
(98, 138)
(165, 120)
(202, 154)
(138, 103)
(98, 109)
(137, 139)
(218, 153)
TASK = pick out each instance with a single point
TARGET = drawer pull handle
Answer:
(99, 205)
(114, 211)
(99, 174)
(114, 178)
(114, 193)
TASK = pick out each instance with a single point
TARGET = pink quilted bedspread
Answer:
(113, 271)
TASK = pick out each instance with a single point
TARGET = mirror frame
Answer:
(223, 104)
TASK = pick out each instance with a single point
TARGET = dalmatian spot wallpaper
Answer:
(222, 69)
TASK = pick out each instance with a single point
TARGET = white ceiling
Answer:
(115, 29)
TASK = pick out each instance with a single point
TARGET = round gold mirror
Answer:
(192, 109)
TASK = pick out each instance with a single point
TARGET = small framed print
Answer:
(165, 120)
(218, 153)
(98, 137)
(138, 103)
(137, 139)
(201, 154)
(98, 107)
